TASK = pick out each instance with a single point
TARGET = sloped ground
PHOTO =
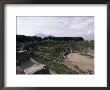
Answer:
(53, 55)
(82, 62)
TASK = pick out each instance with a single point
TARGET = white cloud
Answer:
(64, 26)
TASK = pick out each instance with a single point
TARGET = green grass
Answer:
(60, 68)
(51, 52)
(57, 67)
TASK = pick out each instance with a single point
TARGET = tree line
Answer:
(23, 38)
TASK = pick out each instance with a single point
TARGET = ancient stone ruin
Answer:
(27, 65)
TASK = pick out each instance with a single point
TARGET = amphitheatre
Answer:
(54, 55)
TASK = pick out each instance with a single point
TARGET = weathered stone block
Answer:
(22, 56)
(37, 69)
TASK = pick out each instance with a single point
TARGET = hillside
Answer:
(53, 52)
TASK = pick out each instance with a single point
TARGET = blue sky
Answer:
(59, 26)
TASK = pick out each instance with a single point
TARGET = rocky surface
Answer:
(27, 65)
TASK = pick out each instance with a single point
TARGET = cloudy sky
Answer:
(59, 26)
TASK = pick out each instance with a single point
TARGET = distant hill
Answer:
(41, 35)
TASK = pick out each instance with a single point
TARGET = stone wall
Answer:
(22, 57)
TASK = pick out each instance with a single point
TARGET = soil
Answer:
(82, 62)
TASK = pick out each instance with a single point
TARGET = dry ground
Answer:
(82, 62)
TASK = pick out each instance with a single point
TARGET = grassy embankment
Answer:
(51, 53)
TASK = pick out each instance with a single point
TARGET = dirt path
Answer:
(82, 62)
